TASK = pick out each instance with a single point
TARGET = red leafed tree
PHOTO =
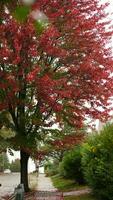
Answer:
(55, 74)
(63, 140)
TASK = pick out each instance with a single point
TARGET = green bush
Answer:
(51, 169)
(97, 163)
(70, 167)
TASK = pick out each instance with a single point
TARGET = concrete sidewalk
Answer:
(45, 184)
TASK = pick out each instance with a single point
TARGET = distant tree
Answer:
(4, 162)
(15, 166)
(59, 141)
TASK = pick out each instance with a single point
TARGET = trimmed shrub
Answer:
(70, 167)
(97, 163)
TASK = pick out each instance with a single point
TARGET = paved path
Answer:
(45, 184)
(46, 190)
(9, 182)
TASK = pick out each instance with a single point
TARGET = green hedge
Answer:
(70, 167)
(97, 163)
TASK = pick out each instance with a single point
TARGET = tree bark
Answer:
(24, 169)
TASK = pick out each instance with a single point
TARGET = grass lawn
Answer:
(82, 197)
(65, 185)
(33, 180)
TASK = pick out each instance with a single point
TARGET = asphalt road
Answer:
(9, 182)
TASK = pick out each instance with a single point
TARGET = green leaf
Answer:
(21, 13)
(1, 20)
(40, 26)
(59, 75)
(5, 1)
(2, 95)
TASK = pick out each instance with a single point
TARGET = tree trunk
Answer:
(24, 169)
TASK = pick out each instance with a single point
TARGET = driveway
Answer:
(9, 182)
